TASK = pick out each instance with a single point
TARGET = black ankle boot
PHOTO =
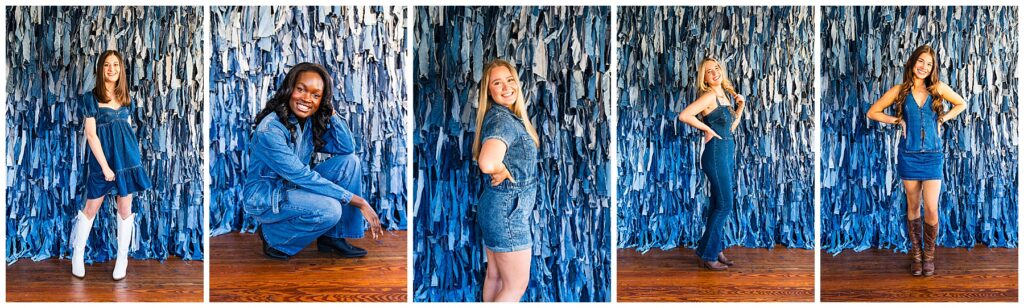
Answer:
(339, 246)
(268, 251)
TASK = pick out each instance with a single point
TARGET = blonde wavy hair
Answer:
(518, 107)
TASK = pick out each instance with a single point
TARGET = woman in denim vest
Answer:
(294, 202)
(505, 147)
(920, 113)
(721, 117)
(114, 164)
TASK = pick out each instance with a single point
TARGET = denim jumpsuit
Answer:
(296, 203)
(920, 150)
(718, 163)
(504, 210)
(120, 148)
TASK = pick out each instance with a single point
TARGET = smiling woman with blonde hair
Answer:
(505, 147)
(718, 159)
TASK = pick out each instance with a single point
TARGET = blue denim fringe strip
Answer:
(364, 50)
(51, 61)
(663, 195)
(562, 54)
(863, 52)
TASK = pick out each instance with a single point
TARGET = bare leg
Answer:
(515, 274)
(92, 206)
(931, 191)
(913, 190)
(124, 206)
(492, 283)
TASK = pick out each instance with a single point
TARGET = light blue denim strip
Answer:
(562, 55)
(663, 194)
(364, 50)
(863, 53)
(51, 62)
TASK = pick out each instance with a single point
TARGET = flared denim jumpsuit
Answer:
(296, 203)
(504, 210)
(718, 163)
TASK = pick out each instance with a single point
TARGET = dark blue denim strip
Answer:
(363, 49)
(663, 194)
(51, 63)
(863, 51)
(562, 54)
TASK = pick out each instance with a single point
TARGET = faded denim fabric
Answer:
(505, 208)
(718, 161)
(863, 52)
(278, 160)
(304, 214)
(363, 48)
(562, 56)
(50, 63)
(662, 193)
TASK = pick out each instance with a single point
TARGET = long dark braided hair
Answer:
(278, 103)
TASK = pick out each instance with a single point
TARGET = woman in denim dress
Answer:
(718, 159)
(920, 113)
(505, 147)
(114, 164)
(296, 203)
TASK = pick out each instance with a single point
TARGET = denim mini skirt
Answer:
(504, 215)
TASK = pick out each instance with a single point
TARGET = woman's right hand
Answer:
(499, 177)
(108, 174)
(369, 214)
(903, 126)
(710, 134)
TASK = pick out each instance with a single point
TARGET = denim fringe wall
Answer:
(52, 55)
(562, 54)
(663, 194)
(863, 52)
(362, 47)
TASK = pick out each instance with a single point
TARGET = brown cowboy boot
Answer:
(914, 232)
(930, 233)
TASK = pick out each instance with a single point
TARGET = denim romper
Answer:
(719, 164)
(120, 147)
(920, 150)
(504, 210)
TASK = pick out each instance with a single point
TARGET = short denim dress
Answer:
(920, 150)
(504, 211)
(120, 147)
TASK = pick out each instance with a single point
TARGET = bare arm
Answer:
(97, 148)
(492, 153)
(959, 104)
(877, 109)
(689, 115)
(741, 103)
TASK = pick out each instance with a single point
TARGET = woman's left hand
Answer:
(939, 126)
(739, 99)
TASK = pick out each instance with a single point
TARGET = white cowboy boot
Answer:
(79, 237)
(124, 241)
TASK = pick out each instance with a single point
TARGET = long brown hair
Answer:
(120, 87)
(484, 104)
(931, 82)
(702, 87)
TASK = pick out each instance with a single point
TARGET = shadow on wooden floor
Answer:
(979, 275)
(239, 272)
(147, 281)
(759, 275)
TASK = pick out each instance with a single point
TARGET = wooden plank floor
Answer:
(961, 275)
(148, 281)
(239, 272)
(760, 275)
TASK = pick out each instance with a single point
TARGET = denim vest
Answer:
(278, 161)
(521, 156)
(922, 127)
